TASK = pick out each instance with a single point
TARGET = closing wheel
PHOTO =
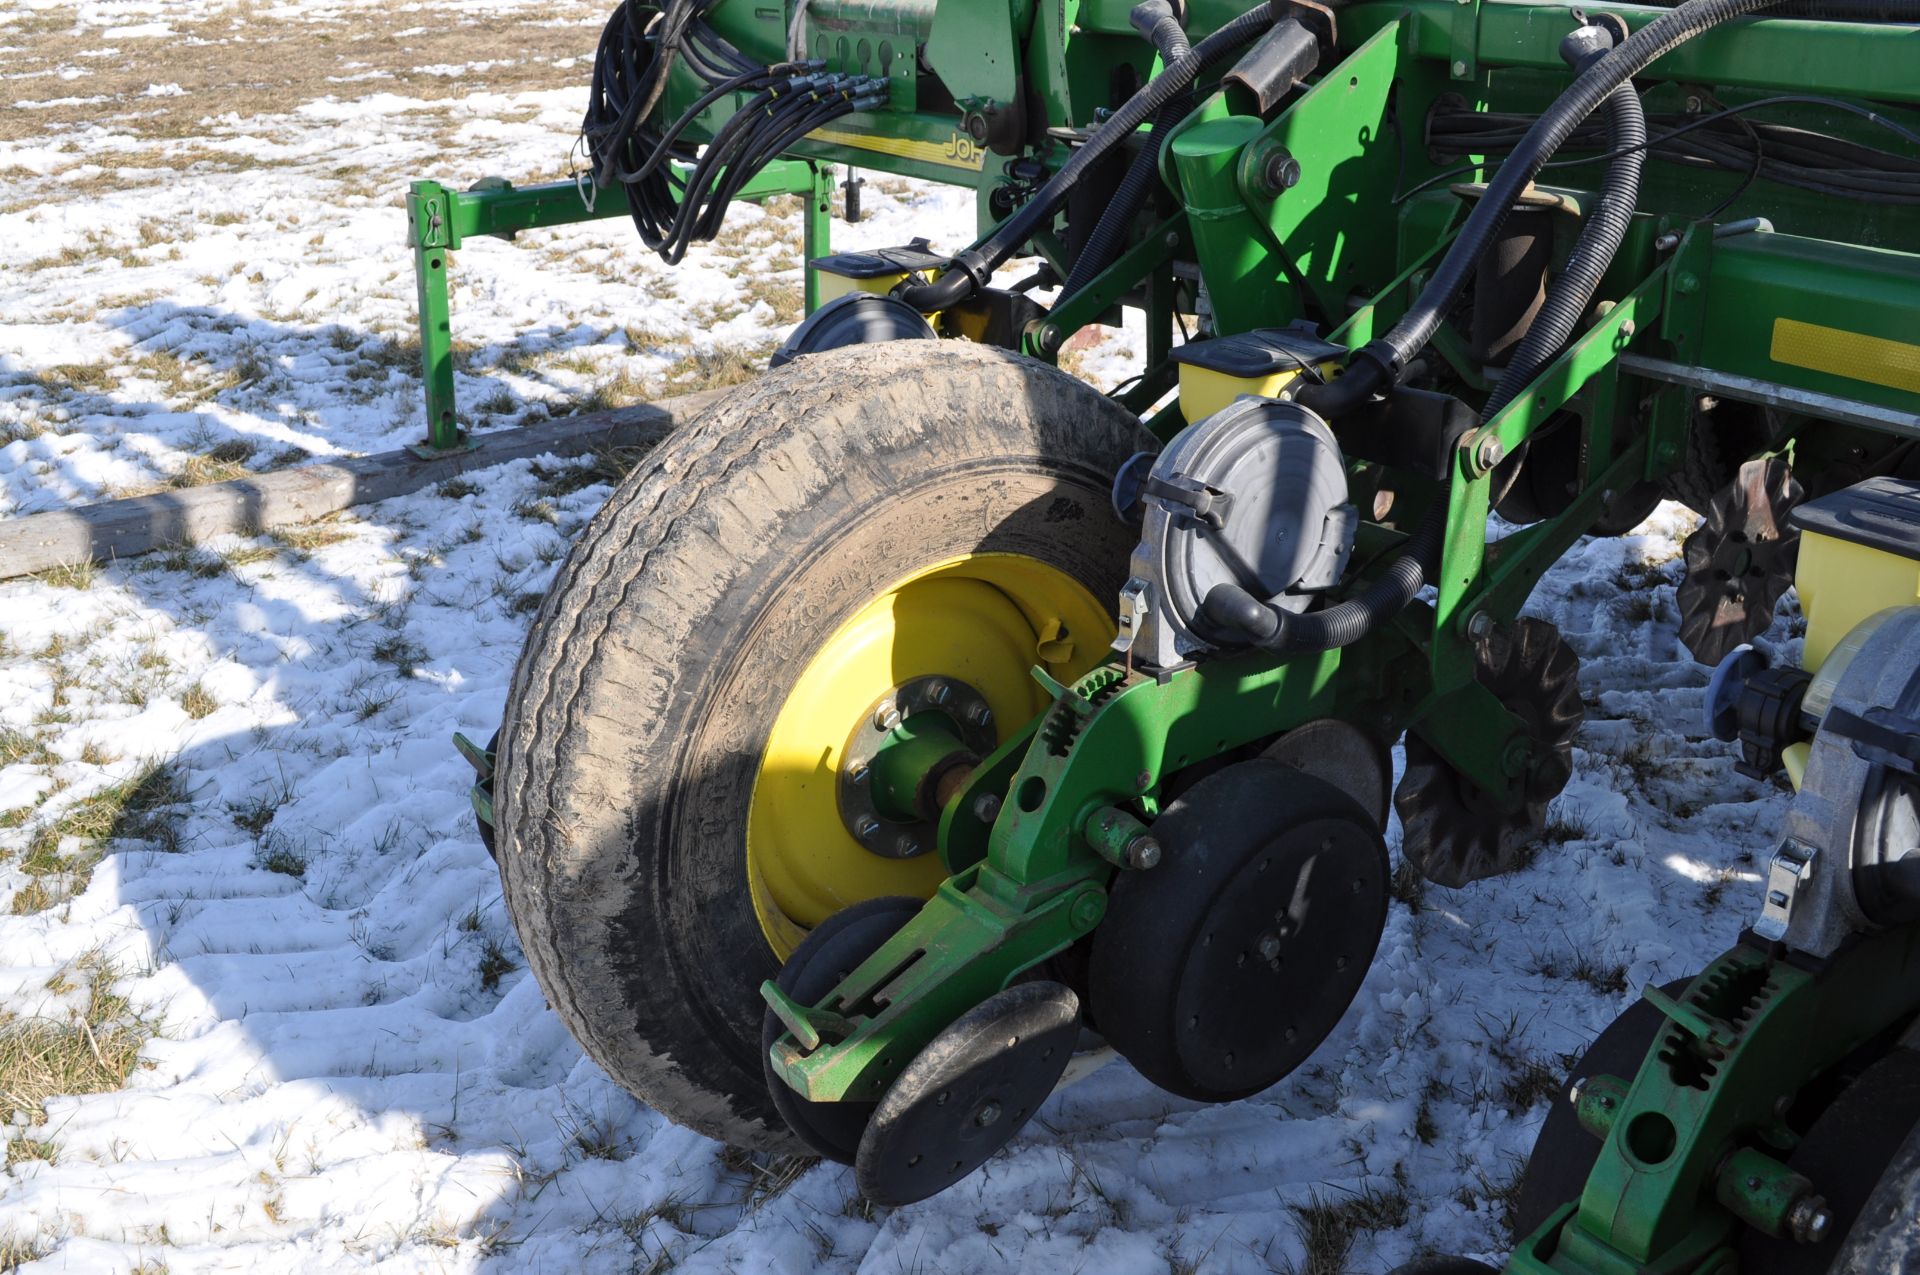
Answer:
(675, 784)
(967, 1093)
(1564, 1153)
(831, 952)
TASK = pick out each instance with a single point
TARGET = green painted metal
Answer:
(1036, 833)
(1701, 1120)
(909, 752)
(440, 219)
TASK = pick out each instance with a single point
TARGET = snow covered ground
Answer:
(234, 844)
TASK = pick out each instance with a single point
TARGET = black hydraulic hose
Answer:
(970, 270)
(1379, 364)
(1240, 612)
(1605, 229)
(1844, 10)
(1155, 20)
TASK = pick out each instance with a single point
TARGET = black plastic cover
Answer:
(1261, 352)
(1881, 513)
(875, 262)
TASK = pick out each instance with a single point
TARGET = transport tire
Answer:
(666, 780)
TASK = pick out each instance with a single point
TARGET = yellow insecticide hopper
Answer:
(877, 270)
(1264, 362)
(1859, 554)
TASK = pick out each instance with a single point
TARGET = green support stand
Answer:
(440, 219)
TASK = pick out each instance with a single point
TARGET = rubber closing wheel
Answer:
(834, 949)
(1844, 1154)
(967, 1093)
(1222, 969)
(1564, 1153)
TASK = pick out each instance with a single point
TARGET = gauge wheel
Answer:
(900, 529)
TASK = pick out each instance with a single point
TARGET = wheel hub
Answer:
(901, 758)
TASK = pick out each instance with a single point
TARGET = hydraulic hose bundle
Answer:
(970, 271)
(1156, 21)
(630, 69)
(1379, 365)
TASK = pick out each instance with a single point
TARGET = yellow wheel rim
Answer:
(982, 619)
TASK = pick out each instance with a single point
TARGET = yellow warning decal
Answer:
(958, 151)
(1855, 355)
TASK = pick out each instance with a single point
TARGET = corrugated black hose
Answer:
(1153, 19)
(1606, 227)
(1381, 362)
(971, 270)
(1378, 365)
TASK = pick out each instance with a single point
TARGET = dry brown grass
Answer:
(90, 1048)
(287, 61)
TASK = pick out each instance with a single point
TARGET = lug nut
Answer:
(988, 1113)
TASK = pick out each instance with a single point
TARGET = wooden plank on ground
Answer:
(135, 525)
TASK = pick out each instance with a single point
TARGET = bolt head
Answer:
(1143, 853)
(887, 716)
(1481, 625)
(866, 827)
(938, 693)
(861, 773)
(1460, 68)
(986, 807)
(1489, 453)
(905, 846)
(1280, 172)
(980, 715)
(988, 1113)
(1269, 946)
(1143, 780)
(1810, 1220)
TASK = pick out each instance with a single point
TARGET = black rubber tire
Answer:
(677, 626)
(1564, 1153)
(1845, 1154)
(1156, 972)
(828, 954)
